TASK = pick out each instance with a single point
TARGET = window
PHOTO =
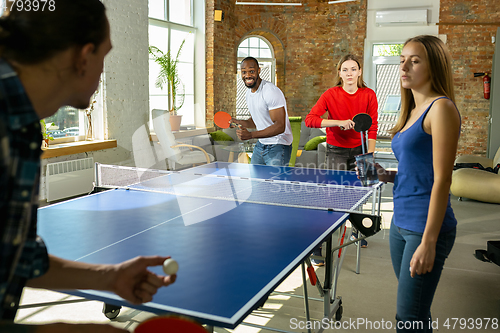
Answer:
(387, 50)
(170, 23)
(392, 103)
(65, 123)
(255, 47)
(69, 124)
(385, 61)
(261, 49)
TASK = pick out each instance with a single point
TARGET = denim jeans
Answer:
(415, 295)
(277, 155)
(339, 158)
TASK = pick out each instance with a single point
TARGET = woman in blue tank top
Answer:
(424, 141)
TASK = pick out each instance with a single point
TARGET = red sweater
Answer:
(342, 106)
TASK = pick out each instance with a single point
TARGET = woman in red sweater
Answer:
(346, 99)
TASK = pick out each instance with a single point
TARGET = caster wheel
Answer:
(111, 311)
(340, 310)
(338, 314)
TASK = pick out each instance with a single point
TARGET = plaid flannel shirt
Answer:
(22, 254)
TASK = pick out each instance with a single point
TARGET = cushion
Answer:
(221, 136)
(476, 184)
(307, 133)
(304, 134)
(314, 142)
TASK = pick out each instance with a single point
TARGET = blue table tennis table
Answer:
(232, 252)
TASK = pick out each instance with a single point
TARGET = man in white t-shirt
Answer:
(267, 106)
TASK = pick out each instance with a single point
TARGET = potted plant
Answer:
(169, 76)
(89, 136)
(46, 136)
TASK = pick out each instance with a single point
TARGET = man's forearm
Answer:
(270, 131)
(64, 274)
(247, 123)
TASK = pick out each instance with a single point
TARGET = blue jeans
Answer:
(277, 155)
(415, 295)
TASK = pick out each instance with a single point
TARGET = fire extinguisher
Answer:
(486, 84)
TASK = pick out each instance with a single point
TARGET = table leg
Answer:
(231, 157)
(243, 158)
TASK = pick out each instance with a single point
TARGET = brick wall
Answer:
(308, 41)
(221, 59)
(469, 26)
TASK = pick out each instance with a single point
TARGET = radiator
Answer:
(69, 178)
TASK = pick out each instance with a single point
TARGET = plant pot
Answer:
(45, 143)
(175, 122)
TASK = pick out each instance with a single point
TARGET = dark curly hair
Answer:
(31, 37)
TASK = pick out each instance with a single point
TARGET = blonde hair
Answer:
(440, 74)
(338, 79)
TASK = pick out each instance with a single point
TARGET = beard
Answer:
(252, 85)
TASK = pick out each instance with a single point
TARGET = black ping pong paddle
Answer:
(362, 122)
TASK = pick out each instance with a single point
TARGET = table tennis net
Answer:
(261, 191)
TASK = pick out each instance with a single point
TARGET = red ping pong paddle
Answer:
(169, 324)
(223, 120)
(312, 275)
(311, 272)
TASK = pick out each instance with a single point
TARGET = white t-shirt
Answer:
(268, 97)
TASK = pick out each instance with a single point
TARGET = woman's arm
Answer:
(313, 118)
(443, 123)
(345, 124)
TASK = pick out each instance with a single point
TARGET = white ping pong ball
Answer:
(170, 266)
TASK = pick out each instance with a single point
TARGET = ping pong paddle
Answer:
(362, 122)
(169, 324)
(311, 272)
(223, 120)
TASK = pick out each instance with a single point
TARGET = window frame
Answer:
(178, 27)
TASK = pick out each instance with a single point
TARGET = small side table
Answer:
(237, 148)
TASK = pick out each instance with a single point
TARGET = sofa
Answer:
(311, 151)
(216, 143)
(474, 183)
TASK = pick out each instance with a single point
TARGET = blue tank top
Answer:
(415, 177)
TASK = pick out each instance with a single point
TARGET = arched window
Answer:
(259, 48)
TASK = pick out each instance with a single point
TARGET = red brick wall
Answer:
(308, 41)
(469, 26)
(220, 59)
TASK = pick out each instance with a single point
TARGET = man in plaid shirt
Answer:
(41, 71)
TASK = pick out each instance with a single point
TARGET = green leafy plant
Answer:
(43, 127)
(169, 76)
